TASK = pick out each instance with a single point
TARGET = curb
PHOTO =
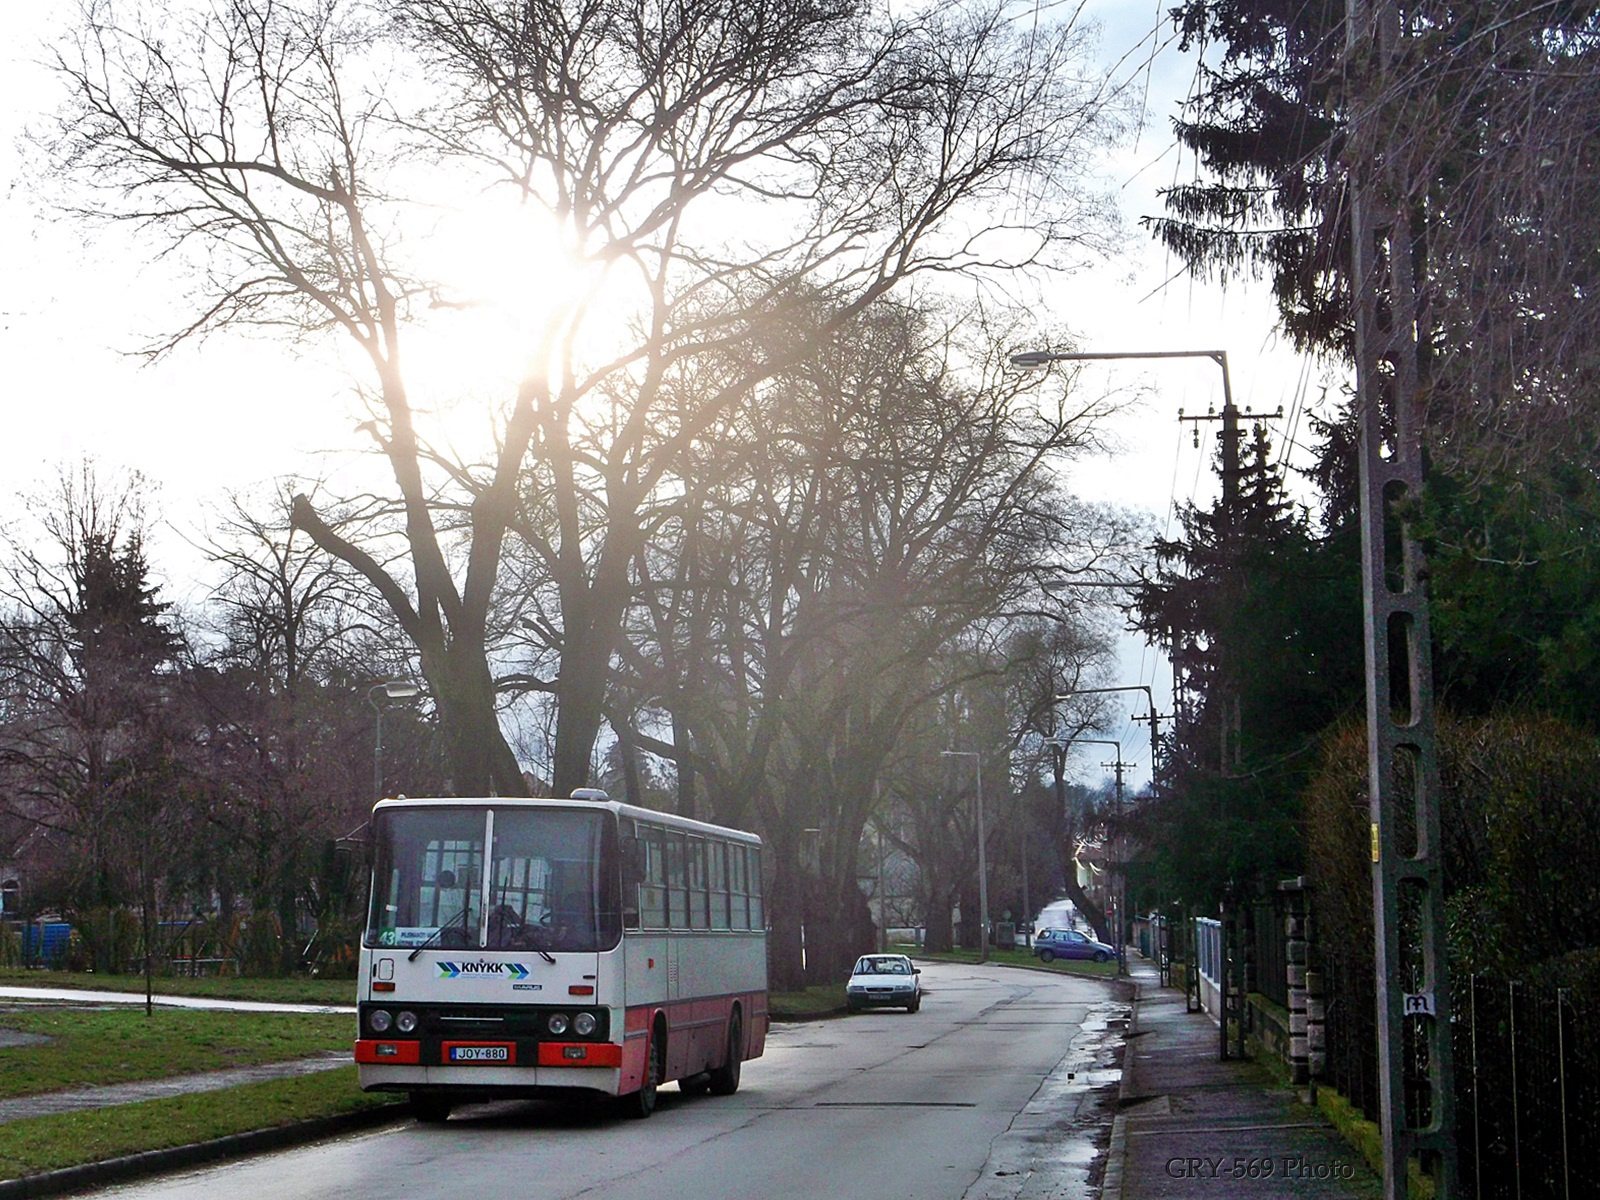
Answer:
(1117, 1150)
(152, 1162)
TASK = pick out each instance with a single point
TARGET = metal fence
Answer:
(1351, 1024)
(1269, 955)
(1527, 1093)
(1527, 1066)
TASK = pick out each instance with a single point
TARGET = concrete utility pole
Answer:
(1413, 989)
(1228, 749)
(1030, 360)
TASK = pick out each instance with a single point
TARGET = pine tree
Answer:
(1261, 618)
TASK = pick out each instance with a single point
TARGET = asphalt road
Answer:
(1002, 1088)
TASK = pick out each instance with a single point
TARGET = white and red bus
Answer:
(541, 947)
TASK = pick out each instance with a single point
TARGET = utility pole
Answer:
(1154, 718)
(1391, 343)
(1119, 879)
(1228, 750)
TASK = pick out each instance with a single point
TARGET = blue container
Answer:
(51, 949)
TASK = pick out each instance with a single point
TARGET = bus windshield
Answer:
(549, 879)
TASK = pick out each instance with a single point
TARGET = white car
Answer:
(883, 980)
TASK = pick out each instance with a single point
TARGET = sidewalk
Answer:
(1192, 1126)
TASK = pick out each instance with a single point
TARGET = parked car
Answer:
(881, 980)
(1051, 944)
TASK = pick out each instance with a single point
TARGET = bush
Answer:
(1520, 830)
(106, 940)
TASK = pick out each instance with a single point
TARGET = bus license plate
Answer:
(501, 1054)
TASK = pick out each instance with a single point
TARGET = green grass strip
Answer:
(1367, 1138)
(819, 998)
(69, 1140)
(102, 1046)
(291, 990)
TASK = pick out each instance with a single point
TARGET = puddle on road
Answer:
(1056, 1147)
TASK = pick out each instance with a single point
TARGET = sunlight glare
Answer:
(505, 277)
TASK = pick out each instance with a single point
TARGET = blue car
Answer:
(1051, 944)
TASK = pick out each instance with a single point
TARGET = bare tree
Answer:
(702, 166)
(866, 512)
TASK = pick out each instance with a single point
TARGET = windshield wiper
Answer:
(464, 915)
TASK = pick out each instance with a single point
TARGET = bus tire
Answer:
(639, 1105)
(725, 1079)
(430, 1108)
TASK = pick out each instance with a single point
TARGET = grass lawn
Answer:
(293, 990)
(819, 998)
(88, 1047)
(72, 1139)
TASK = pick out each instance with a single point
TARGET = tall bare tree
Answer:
(888, 500)
(702, 166)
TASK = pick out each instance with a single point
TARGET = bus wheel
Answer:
(695, 1085)
(639, 1105)
(430, 1108)
(725, 1079)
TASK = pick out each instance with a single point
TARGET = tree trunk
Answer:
(785, 915)
(1092, 912)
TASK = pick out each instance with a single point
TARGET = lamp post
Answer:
(983, 860)
(1035, 360)
(1153, 718)
(394, 689)
(1119, 879)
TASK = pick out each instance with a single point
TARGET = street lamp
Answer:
(983, 860)
(394, 689)
(1153, 718)
(1119, 878)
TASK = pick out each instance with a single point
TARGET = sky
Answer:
(236, 413)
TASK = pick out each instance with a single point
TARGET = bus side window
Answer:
(699, 896)
(741, 907)
(718, 874)
(757, 920)
(677, 884)
(653, 891)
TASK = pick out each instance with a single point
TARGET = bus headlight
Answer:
(378, 1020)
(557, 1024)
(406, 1022)
(583, 1024)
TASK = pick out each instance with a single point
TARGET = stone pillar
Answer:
(1316, 1025)
(1295, 947)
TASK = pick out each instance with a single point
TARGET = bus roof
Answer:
(630, 811)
